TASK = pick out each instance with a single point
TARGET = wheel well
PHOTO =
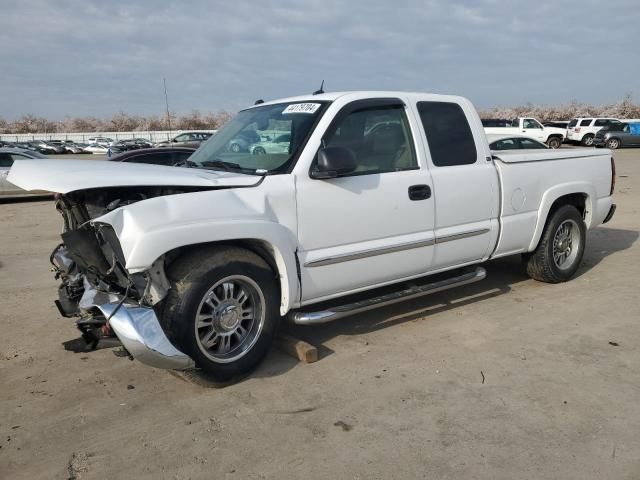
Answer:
(554, 135)
(578, 200)
(258, 247)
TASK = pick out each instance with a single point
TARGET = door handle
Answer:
(419, 192)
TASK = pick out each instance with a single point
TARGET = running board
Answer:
(413, 291)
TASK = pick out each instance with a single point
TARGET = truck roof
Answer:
(331, 96)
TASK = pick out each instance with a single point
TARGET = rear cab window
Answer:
(573, 123)
(448, 134)
(586, 122)
(5, 160)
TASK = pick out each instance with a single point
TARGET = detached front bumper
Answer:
(140, 332)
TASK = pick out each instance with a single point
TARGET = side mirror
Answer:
(333, 162)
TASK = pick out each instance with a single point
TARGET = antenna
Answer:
(318, 92)
(166, 102)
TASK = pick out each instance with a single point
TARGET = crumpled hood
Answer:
(64, 176)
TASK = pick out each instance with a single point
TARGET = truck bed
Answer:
(530, 181)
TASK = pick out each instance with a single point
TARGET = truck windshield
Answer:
(260, 140)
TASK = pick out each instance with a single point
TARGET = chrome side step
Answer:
(413, 291)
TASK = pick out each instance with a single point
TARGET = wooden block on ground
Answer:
(299, 349)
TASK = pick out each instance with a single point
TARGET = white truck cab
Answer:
(379, 197)
(531, 127)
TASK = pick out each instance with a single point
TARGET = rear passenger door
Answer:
(465, 184)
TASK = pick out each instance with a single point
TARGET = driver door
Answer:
(531, 128)
(371, 226)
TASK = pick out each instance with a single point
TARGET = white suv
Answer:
(583, 130)
(100, 140)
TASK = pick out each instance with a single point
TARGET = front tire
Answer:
(554, 142)
(561, 248)
(222, 309)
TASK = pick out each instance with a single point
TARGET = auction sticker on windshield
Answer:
(301, 108)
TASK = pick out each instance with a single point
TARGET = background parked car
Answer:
(188, 139)
(106, 141)
(514, 142)
(496, 122)
(96, 148)
(242, 141)
(583, 130)
(130, 144)
(279, 144)
(618, 135)
(48, 147)
(170, 156)
(531, 127)
(65, 146)
(556, 124)
(7, 157)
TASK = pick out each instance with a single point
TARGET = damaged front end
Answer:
(97, 289)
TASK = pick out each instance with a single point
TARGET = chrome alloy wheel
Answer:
(230, 318)
(566, 244)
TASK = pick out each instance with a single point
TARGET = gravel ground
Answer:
(508, 378)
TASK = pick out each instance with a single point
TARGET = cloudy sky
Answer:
(85, 57)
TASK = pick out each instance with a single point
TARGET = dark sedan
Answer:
(130, 144)
(170, 156)
(188, 139)
(626, 134)
(514, 142)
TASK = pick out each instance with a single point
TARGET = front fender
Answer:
(151, 245)
(150, 228)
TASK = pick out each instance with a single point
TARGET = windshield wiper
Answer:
(217, 163)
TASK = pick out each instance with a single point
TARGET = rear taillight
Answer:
(577, 129)
(613, 176)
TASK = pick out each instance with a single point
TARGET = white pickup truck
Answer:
(530, 127)
(380, 196)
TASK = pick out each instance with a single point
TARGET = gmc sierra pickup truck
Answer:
(379, 197)
(530, 127)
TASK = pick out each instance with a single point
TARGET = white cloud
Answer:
(90, 57)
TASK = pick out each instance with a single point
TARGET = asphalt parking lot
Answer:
(508, 378)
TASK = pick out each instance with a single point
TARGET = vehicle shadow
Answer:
(502, 274)
(27, 198)
(602, 242)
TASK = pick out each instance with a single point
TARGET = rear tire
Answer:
(559, 253)
(554, 142)
(587, 140)
(222, 309)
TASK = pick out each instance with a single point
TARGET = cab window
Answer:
(379, 137)
(448, 134)
(530, 123)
